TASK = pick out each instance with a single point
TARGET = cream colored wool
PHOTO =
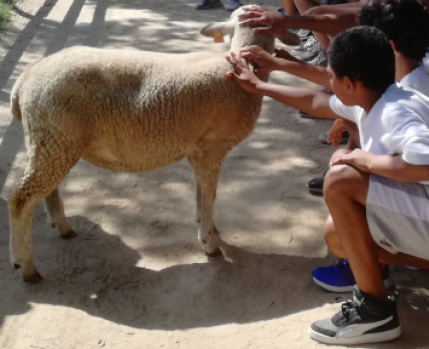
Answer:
(127, 111)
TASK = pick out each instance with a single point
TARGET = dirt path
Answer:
(135, 277)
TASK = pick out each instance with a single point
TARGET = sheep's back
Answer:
(120, 104)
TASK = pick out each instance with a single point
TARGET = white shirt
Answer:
(398, 123)
(418, 80)
(426, 60)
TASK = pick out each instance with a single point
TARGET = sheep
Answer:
(126, 110)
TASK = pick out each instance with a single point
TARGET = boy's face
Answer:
(342, 88)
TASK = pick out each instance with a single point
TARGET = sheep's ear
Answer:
(223, 28)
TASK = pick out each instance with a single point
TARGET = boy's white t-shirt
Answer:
(398, 123)
(426, 60)
(418, 80)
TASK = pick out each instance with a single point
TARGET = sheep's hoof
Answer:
(36, 277)
(69, 234)
(216, 253)
(29, 273)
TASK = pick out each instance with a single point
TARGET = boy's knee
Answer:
(338, 153)
(337, 180)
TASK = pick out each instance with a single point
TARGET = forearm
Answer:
(340, 9)
(327, 24)
(310, 72)
(394, 167)
(308, 100)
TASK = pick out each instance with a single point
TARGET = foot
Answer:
(289, 38)
(321, 59)
(211, 242)
(362, 320)
(208, 4)
(28, 271)
(232, 5)
(339, 277)
(310, 45)
(315, 185)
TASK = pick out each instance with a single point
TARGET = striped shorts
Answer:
(398, 216)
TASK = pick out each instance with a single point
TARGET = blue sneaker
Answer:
(339, 277)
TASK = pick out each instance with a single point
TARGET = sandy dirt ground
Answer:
(136, 277)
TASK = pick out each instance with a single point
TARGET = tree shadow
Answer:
(98, 274)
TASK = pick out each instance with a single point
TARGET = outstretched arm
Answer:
(284, 61)
(311, 101)
(276, 24)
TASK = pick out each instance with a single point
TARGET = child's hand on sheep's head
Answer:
(271, 22)
(265, 63)
(243, 73)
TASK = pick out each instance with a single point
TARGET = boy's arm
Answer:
(304, 70)
(284, 61)
(389, 166)
(308, 100)
(275, 24)
(339, 9)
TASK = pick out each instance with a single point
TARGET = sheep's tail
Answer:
(14, 102)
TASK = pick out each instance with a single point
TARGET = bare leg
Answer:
(334, 244)
(345, 192)
(289, 7)
(57, 219)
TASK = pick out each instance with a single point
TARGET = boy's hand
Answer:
(244, 74)
(335, 134)
(265, 62)
(358, 158)
(283, 54)
(273, 22)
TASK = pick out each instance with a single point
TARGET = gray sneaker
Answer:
(304, 47)
(321, 60)
(311, 53)
(232, 5)
(304, 34)
(362, 320)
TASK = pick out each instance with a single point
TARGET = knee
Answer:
(338, 181)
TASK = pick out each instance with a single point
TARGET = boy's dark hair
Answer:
(405, 22)
(363, 54)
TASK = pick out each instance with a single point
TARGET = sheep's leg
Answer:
(45, 170)
(57, 219)
(206, 170)
(198, 191)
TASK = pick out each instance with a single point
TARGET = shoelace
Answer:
(310, 42)
(346, 307)
(343, 262)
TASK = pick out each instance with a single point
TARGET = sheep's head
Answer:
(241, 36)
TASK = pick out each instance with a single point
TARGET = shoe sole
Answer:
(318, 192)
(388, 283)
(333, 288)
(364, 339)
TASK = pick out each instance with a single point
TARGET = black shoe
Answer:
(362, 320)
(315, 185)
(208, 4)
